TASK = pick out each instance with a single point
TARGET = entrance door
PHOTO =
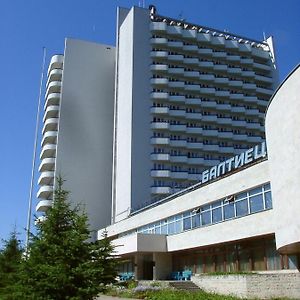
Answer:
(148, 270)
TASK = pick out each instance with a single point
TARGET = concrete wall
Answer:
(283, 139)
(262, 286)
(84, 147)
(163, 266)
(132, 127)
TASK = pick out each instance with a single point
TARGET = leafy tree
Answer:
(10, 260)
(62, 264)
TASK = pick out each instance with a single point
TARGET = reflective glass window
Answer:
(206, 218)
(229, 211)
(255, 191)
(196, 221)
(171, 228)
(186, 223)
(241, 208)
(241, 196)
(217, 215)
(267, 187)
(256, 203)
(164, 229)
(268, 200)
(178, 226)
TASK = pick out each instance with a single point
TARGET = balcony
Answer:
(218, 40)
(51, 112)
(250, 99)
(177, 113)
(220, 54)
(159, 81)
(194, 130)
(47, 164)
(196, 161)
(207, 91)
(54, 75)
(249, 74)
(209, 104)
(159, 68)
(264, 91)
(233, 58)
(191, 61)
(160, 156)
(222, 94)
(175, 45)
(192, 87)
(262, 67)
(263, 78)
(205, 52)
(158, 26)
(159, 110)
(224, 107)
(160, 141)
(50, 125)
(240, 137)
(226, 149)
(210, 132)
(46, 178)
(193, 101)
(249, 86)
(159, 96)
(211, 148)
(235, 83)
(178, 128)
(224, 121)
(45, 192)
(178, 158)
(50, 137)
(180, 99)
(159, 54)
(191, 74)
(192, 145)
(161, 190)
(189, 34)
(178, 143)
(221, 80)
(176, 84)
(203, 37)
(179, 175)
(247, 61)
(255, 139)
(53, 87)
(160, 125)
(237, 96)
(194, 177)
(52, 99)
(175, 57)
(193, 116)
(211, 162)
(206, 64)
(252, 112)
(238, 109)
(190, 48)
(239, 123)
(234, 70)
(209, 118)
(174, 30)
(48, 151)
(159, 41)
(222, 68)
(253, 126)
(176, 71)
(225, 134)
(245, 48)
(231, 44)
(56, 62)
(43, 205)
(160, 173)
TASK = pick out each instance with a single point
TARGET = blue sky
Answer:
(28, 26)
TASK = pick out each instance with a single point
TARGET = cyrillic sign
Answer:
(235, 162)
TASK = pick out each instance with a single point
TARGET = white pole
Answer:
(28, 227)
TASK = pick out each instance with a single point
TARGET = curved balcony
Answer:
(175, 45)
(159, 81)
(159, 110)
(253, 126)
(192, 145)
(225, 135)
(264, 91)
(176, 84)
(174, 30)
(48, 151)
(240, 137)
(204, 37)
(238, 109)
(178, 128)
(191, 74)
(252, 112)
(158, 26)
(45, 192)
(235, 83)
(206, 64)
(264, 79)
(159, 41)
(49, 137)
(247, 61)
(177, 113)
(236, 96)
(161, 190)
(43, 205)
(54, 75)
(220, 54)
(207, 77)
(46, 178)
(159, 54)
(178, 143)
(53, 87)
(210, 132)
(226, 149)
(51, 112)
(196, 161)
(193, 116)
(234, 70)
(52, 99)
(262, 67)
(47, 164)
(180, 99)
(190, 48)
(179, 175)
(233, 58)
(211, 148)
(178, 158)
(175, 57)
(194, 177)
(56, 62)
(209, 118)
(192, 88)
(255, 139)
(50, 125)
(205, 51)
(211, 162)
(224, 107)
(249, 74)
(223, 68)
(159, 96)
(251, 99)
(222, 94)
(194, 130)
(193, 101)
(191, 61)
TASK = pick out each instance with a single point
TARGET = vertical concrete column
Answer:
(162, 265)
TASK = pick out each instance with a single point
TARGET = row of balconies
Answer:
(50, 127)
(179, 71)
(207, 119)
(240, 98)
(196, 61)
(183, 143)
(181, 85)
(208, 38)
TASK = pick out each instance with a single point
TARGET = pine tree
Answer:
(10, 260)
(62, 264)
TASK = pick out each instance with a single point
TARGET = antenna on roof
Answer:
(264, 35)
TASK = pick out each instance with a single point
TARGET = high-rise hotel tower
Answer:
(173, 99)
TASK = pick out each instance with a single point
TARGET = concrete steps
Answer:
(184, 285)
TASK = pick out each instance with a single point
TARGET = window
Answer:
(241, 208)
(256, 203)
(229, 211)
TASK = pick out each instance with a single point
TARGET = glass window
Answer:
(255, 191)
(178, 226)
(206, 218)
(196, 221)
(268, 200)
(267, 187)
(241, 208)
(187, 223)
(216, 204)
(164, 229)
(228, 211)
(293, 262)
(171, 228)
(240, 196)
(217, 215)
(256, 203)
(157, 230)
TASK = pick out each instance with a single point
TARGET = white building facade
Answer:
(187, 97)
